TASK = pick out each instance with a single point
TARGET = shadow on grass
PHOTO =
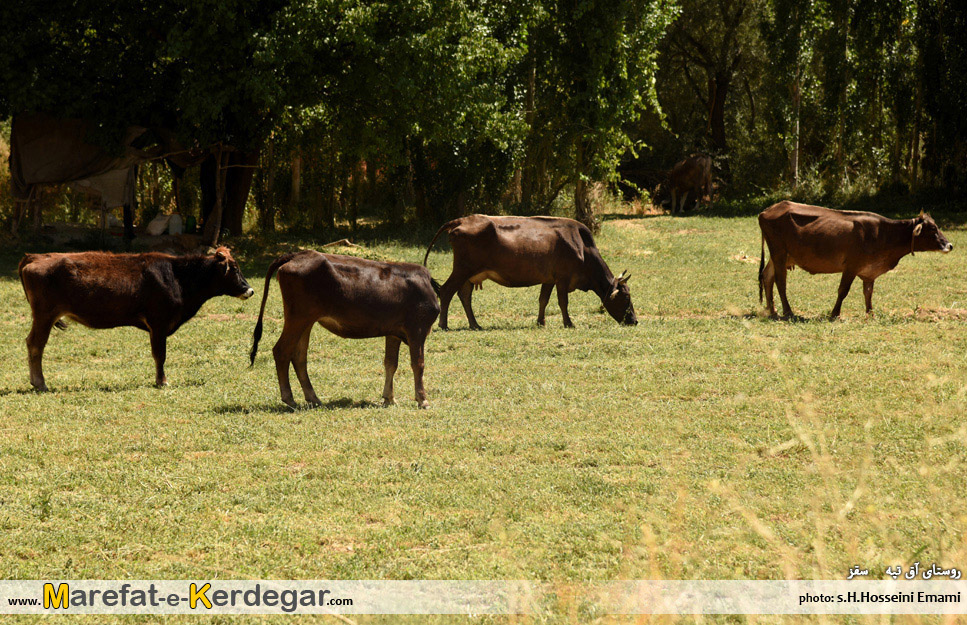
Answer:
(101, 388)
(278, 407)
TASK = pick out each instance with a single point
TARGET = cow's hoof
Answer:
(540, 323)
(161, 384)
(42, 388)
(443, 327)
(423, 405)
(387, 402)
(475, 327)
(289, 402)
(569, 326)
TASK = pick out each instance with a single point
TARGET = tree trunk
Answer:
(267, 176)
(238, 183)
(296, 190)
(583, 211)
(525, 181)
(716, 117)
(420, 174)
(797, 98)
(213, 225)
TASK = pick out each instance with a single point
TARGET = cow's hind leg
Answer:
(300, 361)
(447, 291)
(416, 342)
(159, 350)
(36, 341)
(562, 302)
(779, 270)
(390, 363)
(844, 284)
(542, 303)
(868, 295)
(284, 353)
(768, 281)
(466, 295)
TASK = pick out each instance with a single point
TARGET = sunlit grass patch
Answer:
(707, 442)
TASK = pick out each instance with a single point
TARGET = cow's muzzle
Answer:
(249, 292)
(948, 248)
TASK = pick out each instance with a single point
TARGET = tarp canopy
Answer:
(49, 150)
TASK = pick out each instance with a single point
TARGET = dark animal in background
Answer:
(353, 298)
(527, 251)
(822, 240)
(692, 175)
(153, 292)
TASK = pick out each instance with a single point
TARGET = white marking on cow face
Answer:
(247, 294)
(948, 248)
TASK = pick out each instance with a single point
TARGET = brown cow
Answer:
(527, 251)
(692, 175)
(822, 240)
(153, 292)
(353, 298)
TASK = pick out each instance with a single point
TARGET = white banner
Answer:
(481, 597)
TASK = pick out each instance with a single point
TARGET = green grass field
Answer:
(705, 443)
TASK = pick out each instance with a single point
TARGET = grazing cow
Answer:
(153, 292)
(526, 251)
(692, 175)
(353, 298)
(822, 240)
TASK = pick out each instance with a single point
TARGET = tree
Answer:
(588, 75)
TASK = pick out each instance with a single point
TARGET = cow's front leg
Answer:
(868, 296)
(681, 209)
(542, 303)
(562, 302)
(36, 341)
(300, 360)
(159, 349)
(416, 362)
(390, 363)
(844, 284)
(466, 295)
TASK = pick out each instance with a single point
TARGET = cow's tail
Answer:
(436, 286)
(450, 225)
(257, 335)
(762, 263)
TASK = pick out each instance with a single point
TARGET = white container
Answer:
(175, 225)
(158, 225)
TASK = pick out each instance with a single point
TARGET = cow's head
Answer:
(228, 277)
(927, 236)
(618, 303)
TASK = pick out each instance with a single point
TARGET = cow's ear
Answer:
(918, 229)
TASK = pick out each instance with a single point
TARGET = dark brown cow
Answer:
(353, 298)
(692, 175)
(527, 251)
(153, 292)
(822, 240)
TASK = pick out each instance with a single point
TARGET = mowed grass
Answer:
(705, 443)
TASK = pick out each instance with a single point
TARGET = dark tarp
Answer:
(50, 150)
